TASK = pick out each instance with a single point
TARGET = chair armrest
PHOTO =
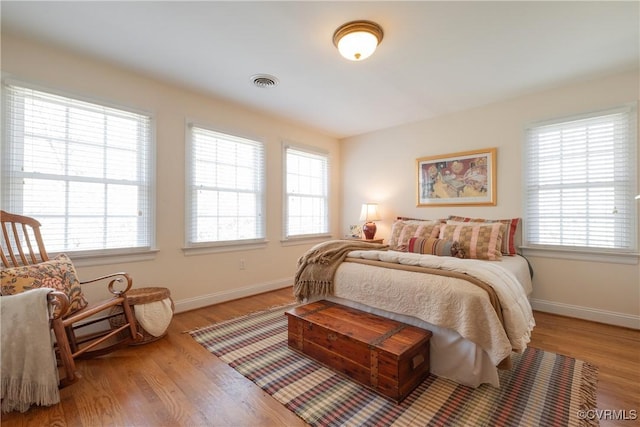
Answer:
(58, 304)
(121, 279)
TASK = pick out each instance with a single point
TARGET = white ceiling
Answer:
(436, 57)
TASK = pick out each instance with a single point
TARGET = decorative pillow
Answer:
(58, 273)
(511, 236)
(431, 246)
(412, 228)
(396, 229)
(478, 240)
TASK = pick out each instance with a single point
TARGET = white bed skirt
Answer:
(452, 356)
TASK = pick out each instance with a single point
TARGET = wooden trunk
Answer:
(388, 356)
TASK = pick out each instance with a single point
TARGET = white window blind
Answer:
(580, 181)
(307, 198)
(82, 169)
(226, 179)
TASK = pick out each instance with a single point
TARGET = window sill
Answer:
(297, 241)
(224, 247)
(90, 260)
(576, 255)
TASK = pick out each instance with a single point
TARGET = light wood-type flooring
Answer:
(176, 382)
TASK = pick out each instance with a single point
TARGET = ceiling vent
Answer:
(264, 81)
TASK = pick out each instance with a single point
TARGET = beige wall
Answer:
(380, 167)
(195, 280)
(375, 167)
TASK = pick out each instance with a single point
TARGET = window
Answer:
(580, 183)
(307, 200)
(82, 169)
(225, 187)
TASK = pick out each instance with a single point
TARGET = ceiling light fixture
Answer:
(357, 40)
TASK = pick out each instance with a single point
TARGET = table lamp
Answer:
(369, 213)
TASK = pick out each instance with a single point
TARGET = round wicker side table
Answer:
(141, 296)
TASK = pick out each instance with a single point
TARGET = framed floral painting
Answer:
(467, 178)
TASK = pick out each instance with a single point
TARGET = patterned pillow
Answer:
(58, 273)
(413, 228)
(396, 229)
(511, 236)
(431, 246)
(478, 240)
(401, 221)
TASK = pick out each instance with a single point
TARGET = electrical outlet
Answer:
(242, 266)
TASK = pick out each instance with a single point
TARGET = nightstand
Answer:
(365, 240)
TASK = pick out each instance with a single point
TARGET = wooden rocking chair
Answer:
(22, 246)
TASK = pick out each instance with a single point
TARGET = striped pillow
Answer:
(423, 229)
(431, 246)
(511, 236)
(402, 231)
(478, 240)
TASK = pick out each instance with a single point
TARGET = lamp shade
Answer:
(369, 212)
(357, 40)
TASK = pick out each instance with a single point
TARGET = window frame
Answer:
(195, 248)
(587, 253)
(304, 238)
(85, 257)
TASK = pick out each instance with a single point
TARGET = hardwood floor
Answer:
(176, 382)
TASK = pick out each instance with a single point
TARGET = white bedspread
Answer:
(444, 301)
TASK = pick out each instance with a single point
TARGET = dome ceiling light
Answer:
(357, 40)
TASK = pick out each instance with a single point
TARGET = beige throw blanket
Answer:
(29, 373)
(318, 265)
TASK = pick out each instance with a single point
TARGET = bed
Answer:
(477, 308)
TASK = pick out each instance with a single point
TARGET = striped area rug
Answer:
(542, 389)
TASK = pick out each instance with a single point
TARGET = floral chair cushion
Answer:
(58, 273)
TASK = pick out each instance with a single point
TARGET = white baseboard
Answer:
(218, 297)
(587, 313)
(580, 312)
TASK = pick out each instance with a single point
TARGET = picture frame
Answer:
(457, 179)
(355, 231)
